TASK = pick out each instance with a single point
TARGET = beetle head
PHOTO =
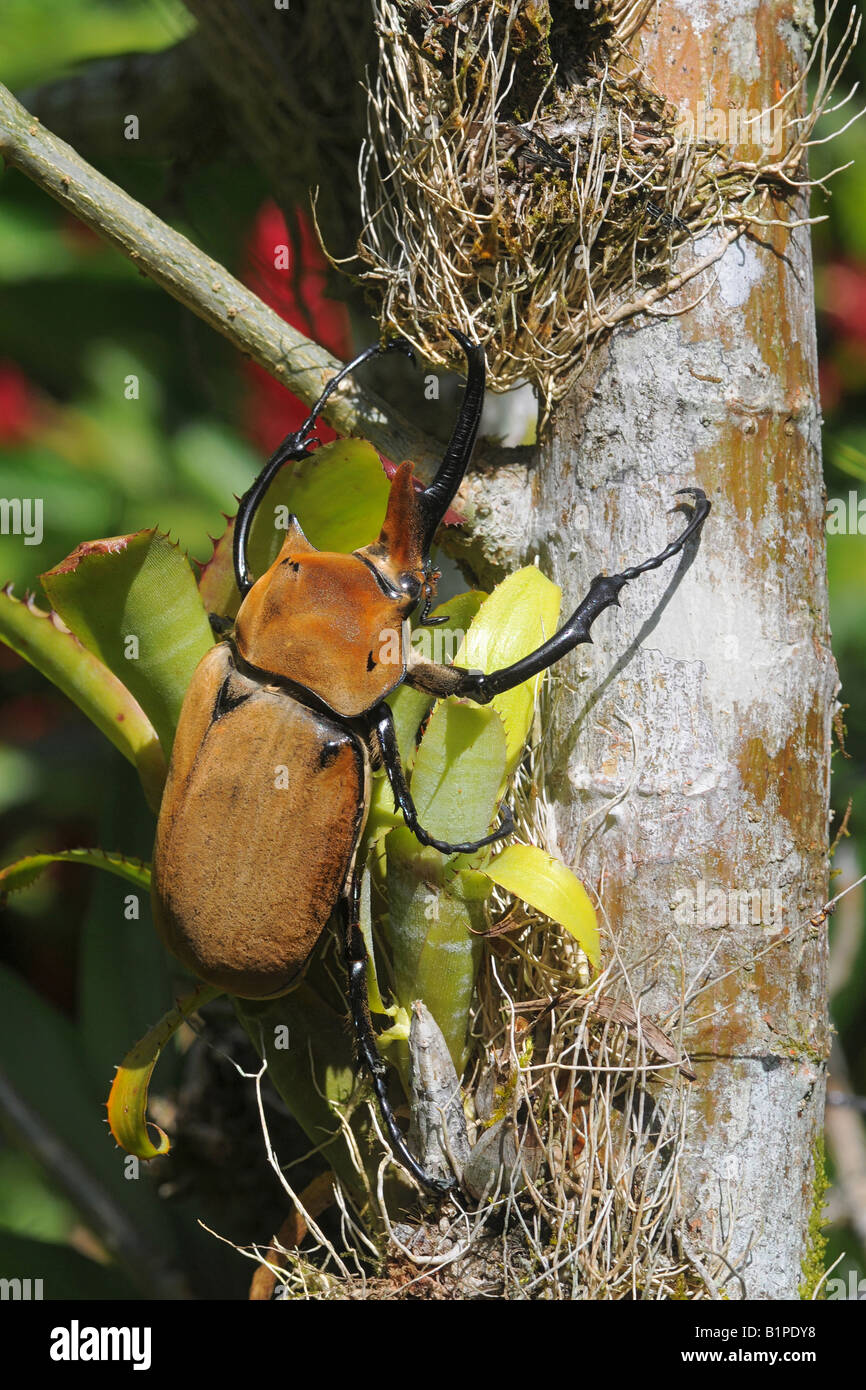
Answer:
(401, 555)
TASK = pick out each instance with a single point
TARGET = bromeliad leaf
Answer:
(339, 495)
(44, 640)
(440, 643)
(534, 876)
(520, 614)
(436, 921)
(458, 771)
(374, 997)
(134, 603)
(411, 707)
(127, 1101)
(25, 871)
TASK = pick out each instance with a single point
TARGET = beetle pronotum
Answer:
(300, 674)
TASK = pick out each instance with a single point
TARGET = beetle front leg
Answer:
(603, 592)
(368, 1052)
(294, 447)
(387, 738)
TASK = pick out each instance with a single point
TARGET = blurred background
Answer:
(78, 982)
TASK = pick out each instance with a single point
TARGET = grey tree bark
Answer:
(694, 747)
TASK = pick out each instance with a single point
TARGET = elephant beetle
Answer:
(299, 681)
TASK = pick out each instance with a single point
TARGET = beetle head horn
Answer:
(435, 500)
(402, 552)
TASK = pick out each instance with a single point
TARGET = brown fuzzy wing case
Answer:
(263, 808)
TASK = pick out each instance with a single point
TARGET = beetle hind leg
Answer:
(368, 1053)
(390, 756)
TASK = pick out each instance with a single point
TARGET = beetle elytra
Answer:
(299, 682)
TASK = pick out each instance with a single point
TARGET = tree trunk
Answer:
(701, 717)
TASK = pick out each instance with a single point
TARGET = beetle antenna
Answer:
(437, 498)
(295, 446)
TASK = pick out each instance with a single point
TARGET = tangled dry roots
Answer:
(523, 178)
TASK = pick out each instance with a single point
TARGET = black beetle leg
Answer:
(220, 626)
(603, 591)
(356, 964)
(403, 798)
(295, 446)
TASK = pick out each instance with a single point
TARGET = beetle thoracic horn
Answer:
(436, 499)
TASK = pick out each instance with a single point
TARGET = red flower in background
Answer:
(843, 299)
(18, 405)
(291, 280)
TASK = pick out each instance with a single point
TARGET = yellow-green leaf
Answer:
(458, 771)
(411, 707)
(127, 1102)
(436, 921)
(374, 997)
(520, 614)
(338, 494)
(438, 643)
(545, 883)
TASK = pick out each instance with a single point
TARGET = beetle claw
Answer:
(402, 345)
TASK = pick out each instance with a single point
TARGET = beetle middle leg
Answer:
(603, 592)
(356, 964)
(387, 738)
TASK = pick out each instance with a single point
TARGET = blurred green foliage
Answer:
(119, 411)
(49, 38)
(840, 272)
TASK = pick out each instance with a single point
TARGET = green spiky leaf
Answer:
(134, 603)
(127, 1101)
(25, 871)
(46, 642)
